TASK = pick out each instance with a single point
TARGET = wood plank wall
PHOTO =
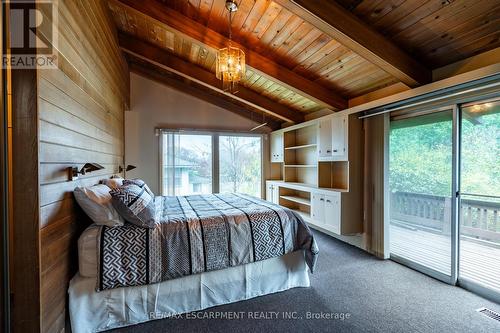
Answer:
(3, 188)
(81, 119)
(25, 279)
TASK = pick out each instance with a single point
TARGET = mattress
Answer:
(92, 311)
(87, 252)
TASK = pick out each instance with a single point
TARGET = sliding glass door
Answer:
(479, 262)
(240, 164)
(420, 181)
(444, 183)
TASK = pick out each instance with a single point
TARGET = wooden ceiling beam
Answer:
(257, 63)
(184, 85)
(168, 61)
(335, 21)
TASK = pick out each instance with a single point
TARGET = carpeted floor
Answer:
(373, 295)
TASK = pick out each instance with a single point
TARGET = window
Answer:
(186, 164)
(240, 164)
(190, 162)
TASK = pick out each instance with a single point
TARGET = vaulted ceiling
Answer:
(304, 56)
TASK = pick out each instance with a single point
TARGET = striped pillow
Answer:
(135, 205)
(139, 182)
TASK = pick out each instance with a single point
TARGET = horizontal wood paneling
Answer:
(81, 111)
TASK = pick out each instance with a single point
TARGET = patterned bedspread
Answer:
(200, 233)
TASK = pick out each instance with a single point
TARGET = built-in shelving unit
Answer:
(320, 178)
(301, 158)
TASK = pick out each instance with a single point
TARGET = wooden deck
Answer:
(478, 261)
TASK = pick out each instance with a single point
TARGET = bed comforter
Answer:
(200, 233)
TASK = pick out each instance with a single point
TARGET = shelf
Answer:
(302, 201)
(302, 146)
(309, 187)
(304, 215)
(301, 166)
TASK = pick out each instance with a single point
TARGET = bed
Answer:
(204, 250)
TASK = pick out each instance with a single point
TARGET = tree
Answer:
(240, 163)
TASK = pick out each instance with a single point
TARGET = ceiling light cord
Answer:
(230, 25)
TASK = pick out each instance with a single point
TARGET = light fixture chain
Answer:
(230, 26)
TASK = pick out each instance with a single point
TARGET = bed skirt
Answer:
(92, 311)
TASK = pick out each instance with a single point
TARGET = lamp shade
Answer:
(230, 67)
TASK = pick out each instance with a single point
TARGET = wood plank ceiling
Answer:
(436, 32)
(137, 24)
(309, 68)
(277, 33)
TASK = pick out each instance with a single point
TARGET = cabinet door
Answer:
(325, 139)
(276, 194)
(318, 208)
(269, 192)
(339, 125)
(332, 212)
(277, 147)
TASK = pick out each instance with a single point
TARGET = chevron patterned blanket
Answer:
(200, 233)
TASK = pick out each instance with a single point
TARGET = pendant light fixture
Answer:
(230, 65)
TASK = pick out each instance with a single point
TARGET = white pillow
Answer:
(87, 251)
(113, 182)
(96, 203)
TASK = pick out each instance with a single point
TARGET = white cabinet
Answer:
(272, 192)
(332, 212)
(325, 139)
(332, 138)
(277, 147)
(339, 138)
(317, 207)
(325, 211)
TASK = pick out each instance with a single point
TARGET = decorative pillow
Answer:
(113, 182)
(139, 182)
(96, 203)
(135, 205)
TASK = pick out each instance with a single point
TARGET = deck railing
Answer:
(479, 218)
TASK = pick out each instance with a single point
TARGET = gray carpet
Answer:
(379, 296)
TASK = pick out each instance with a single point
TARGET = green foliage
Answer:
(420, 159)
